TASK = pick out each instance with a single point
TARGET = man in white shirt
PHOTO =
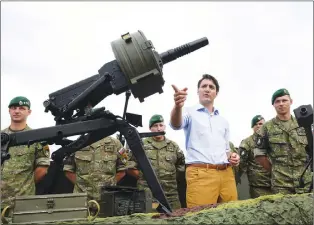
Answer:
(209, 175)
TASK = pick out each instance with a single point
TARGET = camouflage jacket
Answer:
(233, 148)
(286, 151)
(235, 169)
(96, 166)
(17, 173)
(257, 175)
(167, 160)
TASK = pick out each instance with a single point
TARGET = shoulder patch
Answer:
(259, 141)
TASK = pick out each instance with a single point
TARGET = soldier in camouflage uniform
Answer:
(26, 165)
(96, 166)
(284, 142)
(258, 177)
(167, 161)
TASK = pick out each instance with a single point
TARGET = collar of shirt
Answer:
(200, 107)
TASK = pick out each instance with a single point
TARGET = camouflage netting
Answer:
(275, 209)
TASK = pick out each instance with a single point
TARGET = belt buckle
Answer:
(221, 167)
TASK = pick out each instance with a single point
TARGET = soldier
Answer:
(283, 142)
(258, 177)
(96, 166)
(27, 165)
(167, 161)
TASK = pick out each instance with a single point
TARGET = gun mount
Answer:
(137, 68)
(304, 116)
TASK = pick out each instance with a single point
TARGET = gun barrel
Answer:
(175, 53)
(151, 134)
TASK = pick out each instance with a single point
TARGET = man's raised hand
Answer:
(179, 96)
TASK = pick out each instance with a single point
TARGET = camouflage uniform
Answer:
(167, 160)
(17, 173)
(235, 169)
(258, 177)
(96, 166)
(284, 144)
(233, 148)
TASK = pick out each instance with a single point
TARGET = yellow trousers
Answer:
(209, 186)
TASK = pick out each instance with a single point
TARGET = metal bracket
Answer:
(147, 45)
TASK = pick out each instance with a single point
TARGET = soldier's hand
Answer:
(179, 96)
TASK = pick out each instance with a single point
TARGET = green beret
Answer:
(155, 119)
(20, 101)
(256, 119)
(279, 93)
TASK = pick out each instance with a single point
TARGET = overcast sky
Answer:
(254, 49)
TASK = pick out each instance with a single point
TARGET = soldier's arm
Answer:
(69, 168)
(132, 166)
(42, 161)
(120, 164)
(180, 164)
(126, 163)
(260, 148)
(180, 176)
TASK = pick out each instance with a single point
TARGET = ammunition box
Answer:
(117, 201)
(50, 208)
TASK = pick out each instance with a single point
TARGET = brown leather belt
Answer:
(211, 166)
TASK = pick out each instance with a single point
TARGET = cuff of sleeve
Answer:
(42, 162)
(176, 128)
(129, 165)
(68, 168)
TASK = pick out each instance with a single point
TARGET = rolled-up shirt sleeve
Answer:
(185, 121)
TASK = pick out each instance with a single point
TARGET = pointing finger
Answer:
(175, 88)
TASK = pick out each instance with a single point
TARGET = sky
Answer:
(254, 49)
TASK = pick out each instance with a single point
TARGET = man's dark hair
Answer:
(208, 77)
